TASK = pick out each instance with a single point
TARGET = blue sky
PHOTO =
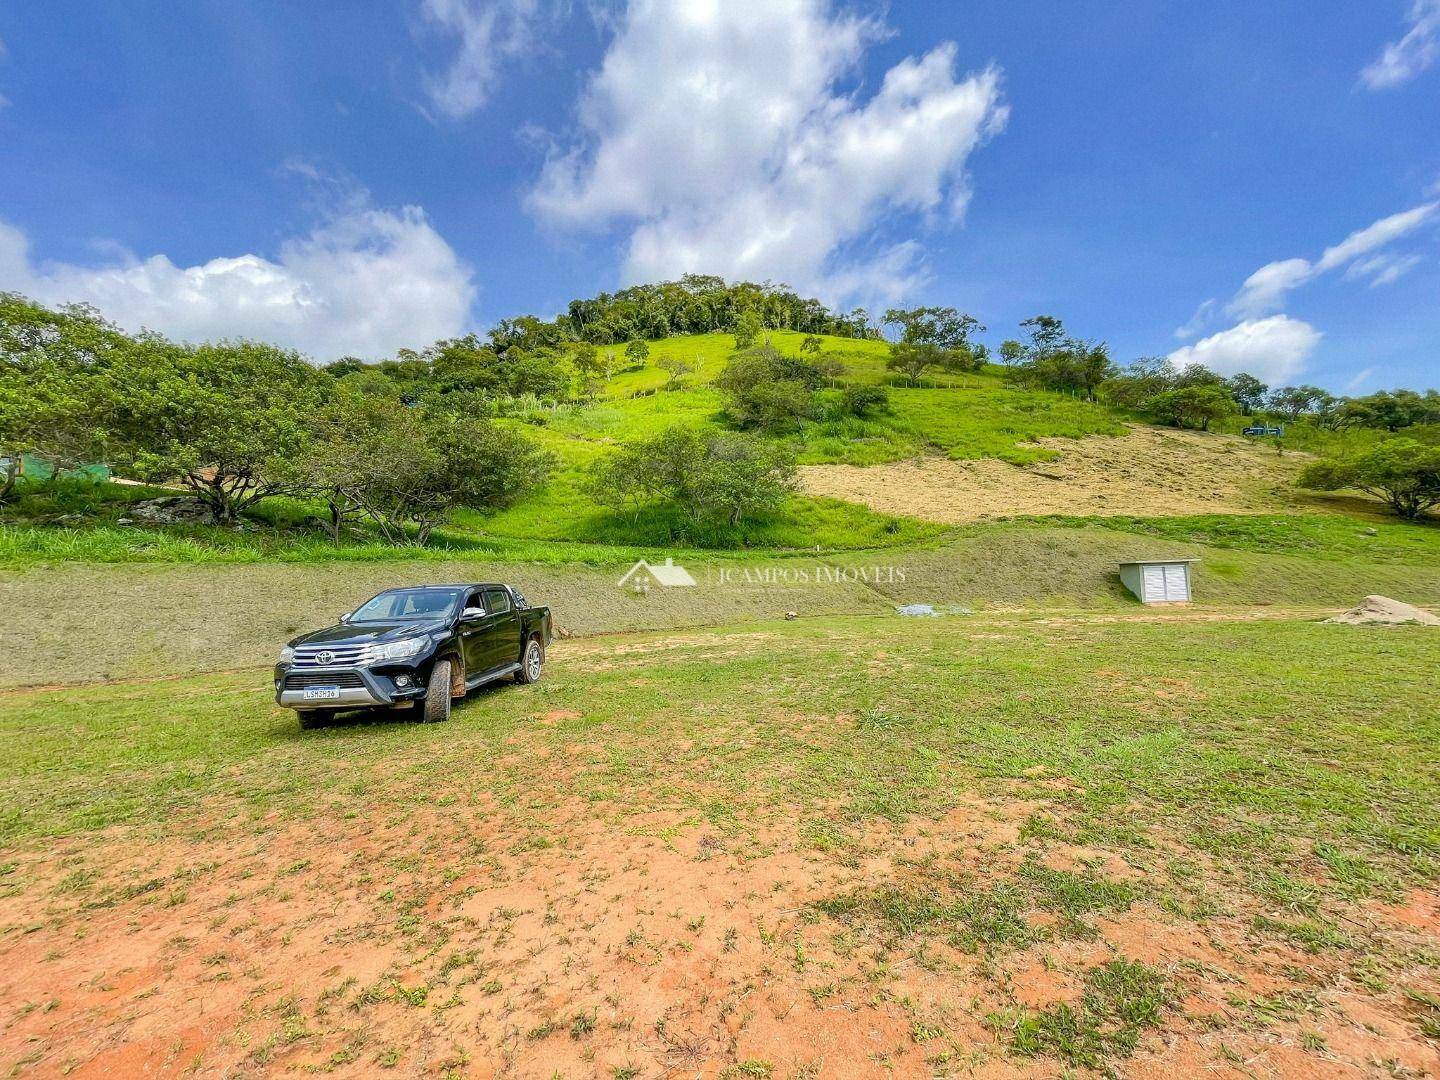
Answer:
(351, 178)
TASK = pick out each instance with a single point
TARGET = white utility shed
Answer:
(1158, 581)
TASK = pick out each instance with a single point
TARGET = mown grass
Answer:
(1248, 783)
(1256, 740)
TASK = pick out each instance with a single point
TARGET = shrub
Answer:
(1404, 473)
(724, 476)
(768, 391)
(1194, 407)
(865, 401)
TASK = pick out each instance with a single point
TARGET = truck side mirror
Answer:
(472, 613)
(346, 617)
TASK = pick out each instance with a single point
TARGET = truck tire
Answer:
(532, 660)
(437, 693)
(310, 719)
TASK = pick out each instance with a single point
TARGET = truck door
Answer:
(503, 628)
(474, 636)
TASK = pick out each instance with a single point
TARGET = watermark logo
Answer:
(642, 577)
(807, 574)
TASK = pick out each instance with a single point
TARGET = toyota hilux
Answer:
(419, 647)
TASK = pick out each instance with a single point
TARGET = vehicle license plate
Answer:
(322, 693)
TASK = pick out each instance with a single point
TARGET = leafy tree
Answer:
(346, 365)
(746, 476)
(219, 419)
(1011, 353)
(528, 333)
(767, 390)
(541, 375)
(410, 466)
(1392, 410)
(1293, 402)
(830, 368)
(55, 385)
(913, 360)
(1076, 368)
(637, 350)
(1248, 392)
(811, 344)
(725, 476)
(675, 370)
(586, 358)
(1195, 407)
(1136, 384)
(936, 337)
(1046, 334)
(1402, 472)
(702, 304)
(1197, 374)
(1053, 360)
(748, 328)
(943, 327)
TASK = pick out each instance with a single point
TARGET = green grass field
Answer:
(1074, 843)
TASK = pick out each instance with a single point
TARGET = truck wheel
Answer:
(531, 661)
(311, 719)
(437, 693)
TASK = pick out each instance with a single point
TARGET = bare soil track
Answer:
(448, 944)
(1151, 472)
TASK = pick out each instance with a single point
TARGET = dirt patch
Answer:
(421, 942)
(1382, 611)
(1149, 472)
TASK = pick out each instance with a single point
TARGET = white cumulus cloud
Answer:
(1265, 290)
(1273, 349)
(1402, 60)
(363, 283)
(717, 134)
(486, 33)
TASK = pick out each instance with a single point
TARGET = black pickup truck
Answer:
(426, 644)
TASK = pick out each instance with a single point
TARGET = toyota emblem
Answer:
(325, 657)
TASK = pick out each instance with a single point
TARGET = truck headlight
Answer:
(287, 653)
(397, 650)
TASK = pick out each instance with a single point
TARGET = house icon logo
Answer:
(642, 577)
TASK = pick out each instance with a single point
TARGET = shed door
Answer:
(1153, 584)
(1177, 585)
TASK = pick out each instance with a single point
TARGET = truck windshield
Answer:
(416, 605)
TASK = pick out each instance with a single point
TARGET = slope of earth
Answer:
(71, 622)
(1150, 471)
(835, 848)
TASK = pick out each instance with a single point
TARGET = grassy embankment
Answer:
(87, 621)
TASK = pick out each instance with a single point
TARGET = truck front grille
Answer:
(333, 678)
(317, 656)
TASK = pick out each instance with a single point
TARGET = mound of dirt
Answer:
(1151, 471)
(1382, 611)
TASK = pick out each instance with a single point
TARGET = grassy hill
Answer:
(989, 495)
(959, 417)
